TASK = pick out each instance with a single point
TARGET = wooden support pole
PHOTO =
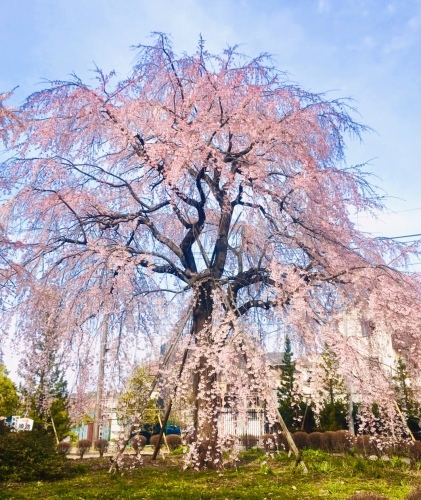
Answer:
(161, 432)
(167, 413)
(54, 429)
(304, 418)
(404, 421)
(291, 443)
(164, 435)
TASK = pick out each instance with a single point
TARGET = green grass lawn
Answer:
(255, 477)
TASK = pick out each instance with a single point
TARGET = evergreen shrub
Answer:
(30, 456)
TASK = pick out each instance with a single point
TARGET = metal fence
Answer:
(235, 424)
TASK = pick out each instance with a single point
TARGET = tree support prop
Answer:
(161, 432)
(405, 423)
(292, 445)
(167, 413)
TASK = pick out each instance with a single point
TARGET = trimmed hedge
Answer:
(83, 446)
(63, 448)
(249, 441)
(327, 441)
(154, 440)
(282, 442)
(342, 441)
(365, 445)
(101, 445)
(315, 439)
(173, 441)
(414, 451)
(138, 442)
(301, 440)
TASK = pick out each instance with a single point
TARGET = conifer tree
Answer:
(45, 394)
(333, 414)
(405, 396)
(290, 401)
(59, 407)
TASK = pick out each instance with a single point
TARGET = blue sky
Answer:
(368, 50)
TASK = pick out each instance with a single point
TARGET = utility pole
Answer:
(101, 371)
(351, 424)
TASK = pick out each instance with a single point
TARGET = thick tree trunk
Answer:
(204, 384)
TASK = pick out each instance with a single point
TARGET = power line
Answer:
(397, 237)
(388, 212)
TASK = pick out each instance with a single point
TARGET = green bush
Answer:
(333, 416)
(29, 456)
(178, 451)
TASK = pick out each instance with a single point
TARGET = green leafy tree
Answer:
(333, 414)
(405, 396)
(9, 399)
(135, 404)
